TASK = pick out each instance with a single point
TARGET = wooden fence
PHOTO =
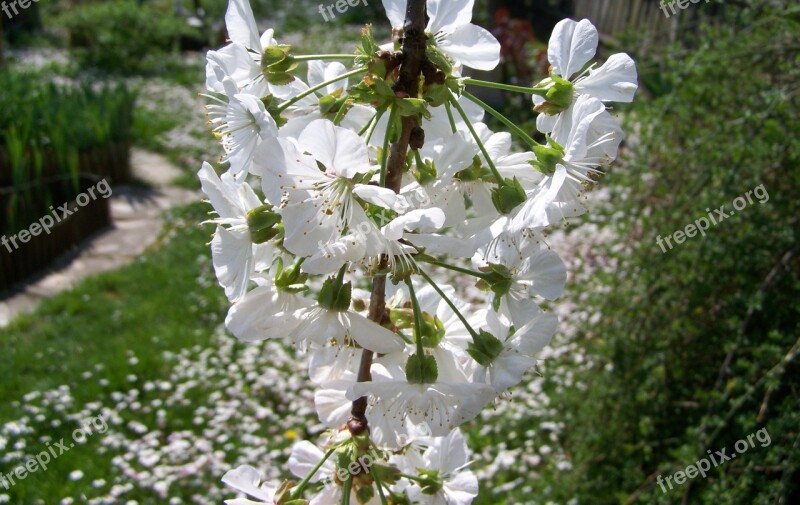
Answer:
(614, 17)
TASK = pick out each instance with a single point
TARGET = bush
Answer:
(695, 348)
(122, 36)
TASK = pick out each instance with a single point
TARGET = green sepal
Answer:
(485, 348)
(412, 107)
(558, 96)
(335, 295)
(262, 222)
(430, 481)
(402, 319)
(425, 173)
(437, 95)
(440, 59)
(291, 280)
(421, 369)
(386, 474)
(280, 78)
(547, 157)
(508, 196)
(364, 494)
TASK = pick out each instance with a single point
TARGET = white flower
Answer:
(447, 457)
(451, 28)
(321, 327)
(265, 312)
(516, 358)
(531, 270)
(443, 406)
(235, 256)
(572, 45)
(318, 205)
(242, 123)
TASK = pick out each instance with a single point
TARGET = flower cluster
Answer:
(335, 184)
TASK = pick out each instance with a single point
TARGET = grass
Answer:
(154, 305)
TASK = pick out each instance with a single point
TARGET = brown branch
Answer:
(407, 85)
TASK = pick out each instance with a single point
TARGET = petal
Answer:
(232, 255)
(547, 271)
(536, 335)
(242, 24)
(572, 45)
(396, 12)
(257, 317)
(305, 457)
(473, 46)
(247, 480)
(383, 197)
(333, 407)
(614, 81)
(448, 15)
(370, 335)
(339, 149)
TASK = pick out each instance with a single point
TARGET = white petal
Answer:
(333, 407)
(383, 197)
(396, 12)
(448, 15)
(247, 480)
(241, 24)
(339, 149)
(232, 255)
(572, 45)
(473, 46)
(614, 81)
(305, 457)
(548, 273)
(424, 220)
(371, 335)
(534, 336)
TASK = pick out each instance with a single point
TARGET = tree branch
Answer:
(407, 85)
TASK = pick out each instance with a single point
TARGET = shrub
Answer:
(122, 36)
(695, 348)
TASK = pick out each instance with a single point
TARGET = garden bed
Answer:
(41, 250)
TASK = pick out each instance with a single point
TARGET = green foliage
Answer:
(44, 128)
(696, 348)
(122, 36)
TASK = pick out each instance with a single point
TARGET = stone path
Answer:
(137, 220)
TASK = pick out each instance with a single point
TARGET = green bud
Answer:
(262, 222)
(508, 196)
(421, 369)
